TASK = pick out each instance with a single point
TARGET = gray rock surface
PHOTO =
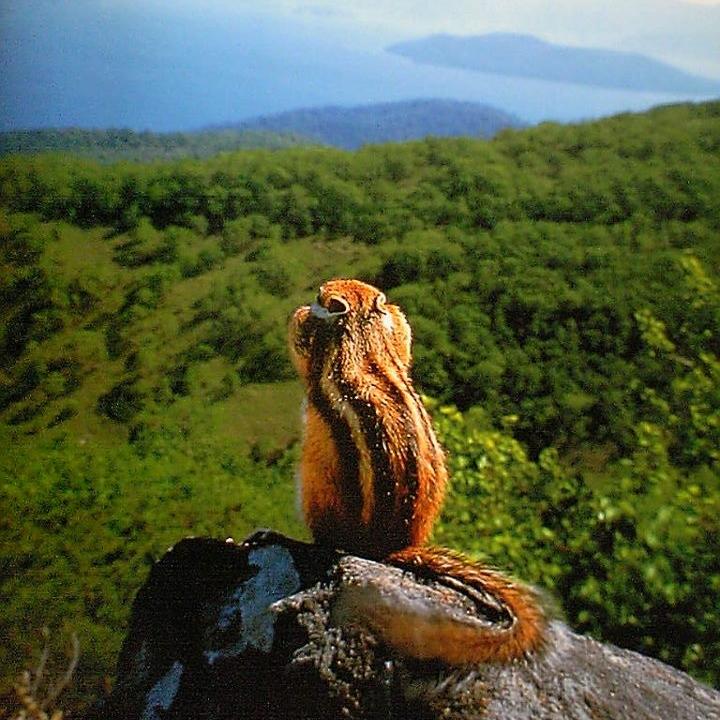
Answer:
(222, 631)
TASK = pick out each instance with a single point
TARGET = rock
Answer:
(223, 631)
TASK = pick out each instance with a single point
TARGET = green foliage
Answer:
(122, 403)
(122, 144)
(28, 306)
(634, 552)
(561, 286)
(241, 326)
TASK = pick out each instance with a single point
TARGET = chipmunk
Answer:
(373, 475)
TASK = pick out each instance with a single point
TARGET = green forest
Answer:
(146, 146)
(562, 285)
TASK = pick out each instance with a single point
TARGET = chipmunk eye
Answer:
(337, 306)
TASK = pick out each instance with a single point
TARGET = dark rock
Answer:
(223, 631)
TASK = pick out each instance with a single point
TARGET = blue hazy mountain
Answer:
(351, 127)
(527, 56)
(168, 67)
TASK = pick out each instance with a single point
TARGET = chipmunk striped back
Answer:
(372, 472)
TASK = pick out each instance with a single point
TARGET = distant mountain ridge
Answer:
(528, 56)
(121, 144)
(344, 127)
(351, 127)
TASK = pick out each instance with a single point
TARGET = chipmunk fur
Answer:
(373, 475)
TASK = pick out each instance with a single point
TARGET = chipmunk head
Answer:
(352, 322)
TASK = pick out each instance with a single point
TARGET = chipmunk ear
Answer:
(337, 306)
(379, 302)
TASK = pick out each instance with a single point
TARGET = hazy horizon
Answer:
(119, 63)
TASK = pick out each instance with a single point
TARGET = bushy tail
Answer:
(507, 623)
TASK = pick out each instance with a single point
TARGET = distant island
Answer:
(527, 56)
(352, 127)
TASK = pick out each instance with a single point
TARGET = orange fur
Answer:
(373, 474)
(319, 466)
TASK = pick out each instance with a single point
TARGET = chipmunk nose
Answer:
(319, 311)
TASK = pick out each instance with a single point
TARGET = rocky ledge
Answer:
(222, 631)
